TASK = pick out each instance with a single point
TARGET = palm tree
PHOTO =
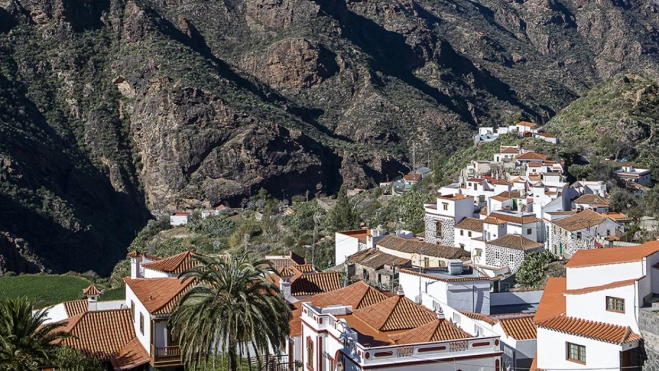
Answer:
(26, 341)
(232, 308)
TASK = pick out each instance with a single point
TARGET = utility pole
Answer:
(307, 195)
(414, 155)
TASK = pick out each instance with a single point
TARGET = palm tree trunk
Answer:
(233, 365)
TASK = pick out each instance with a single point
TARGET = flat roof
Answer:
(443, 275)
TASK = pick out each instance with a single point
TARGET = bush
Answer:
(69, 359)
(532, 272)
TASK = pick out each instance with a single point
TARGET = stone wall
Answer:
(504, 257)
(648, 322)
(447, 237)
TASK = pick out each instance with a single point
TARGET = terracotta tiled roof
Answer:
(75, 307)
(611, 285)
(509, 150)
(103, 335)
(358, 295)
(305, 268)
(91, 290)
(458, 196)
(517, 242)
(315, 283)
(612, 255)
(418, 247)
(552, 302)
(513, 218)
(158, 295)
(591, 199)
(288, 272)
(395, 313)
(581, 220)
(526, 123)
(510, 195)
(531, 156)
(413, 177)
(437, 330)
(545, 135)
(177, 264)
(616, 216)
(376, 259)
(180, 213)
(479, 316)
(471, 224)
(279, 262)
(519, 328)
(590, 329)
(131, 355)
(535, 164)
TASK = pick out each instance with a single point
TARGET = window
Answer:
(529, 231)
(462, 233)
(578, 235)
(511, 258)
(608, 232)
(142, 323)
(469, 234)
(497, 255)
(438, 229)
(576, 353)
(132, 310)
(426, 262)
(478, 252)
(444, 205)
(309, 353)
(615, 304)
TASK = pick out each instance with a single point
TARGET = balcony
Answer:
(165, 356)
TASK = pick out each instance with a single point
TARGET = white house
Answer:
(467, 231)
(526, 127)
(350, 242)
(592, 202)
(546, 137)
(589, 320)
(506, 153)
(395, 333)
(631, 174)
(582, 230)
(586, 187)
(442, 216)
(179, 218)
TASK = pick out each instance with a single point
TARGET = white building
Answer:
(442, 216)
(526, 127)
(546, 137)
(631, 174)
(592, 202)
(586, 187)
(506, 153)
(350, 242)
(179, 218)
(395, 333)
(568, 233)
(589, 320)
(468, 230)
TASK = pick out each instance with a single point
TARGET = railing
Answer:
(271, 363)
(165, 355)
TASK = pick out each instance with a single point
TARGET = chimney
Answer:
(400, 290)
(92, 293)
(135, 262)
(440, 313)
(285, 276)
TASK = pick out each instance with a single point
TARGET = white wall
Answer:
(344, 246)
(57, 313)
(515, 297)
(471, 296)
(176, 220)
(139, 308)
(599, 275)
(466, 239)
(494, 231)
(592, 306)
(521, 230)
(150, 273)
(551, 352)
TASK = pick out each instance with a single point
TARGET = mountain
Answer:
(617, 119)
(114, 110)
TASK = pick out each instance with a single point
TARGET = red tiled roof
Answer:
(135, 254)
(395, 313)
(526, 124)
(591, 199)
(180, 213)
(75, 307)
(509, 150)
(413, 177)
(131, 355)
(91, 290)
(104, 335)
(519, 328)
(531, 156)
(158, 295)
(315, 283)
(437, 330)
(177, 264)
(552, 302)
(545, 135)
(611, 285)
(479, 316)
(590, 329)
(284, 261)
(457, 196)
(612, 255)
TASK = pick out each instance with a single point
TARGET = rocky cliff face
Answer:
(113, 109)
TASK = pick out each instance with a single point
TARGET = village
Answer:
(443, 299)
